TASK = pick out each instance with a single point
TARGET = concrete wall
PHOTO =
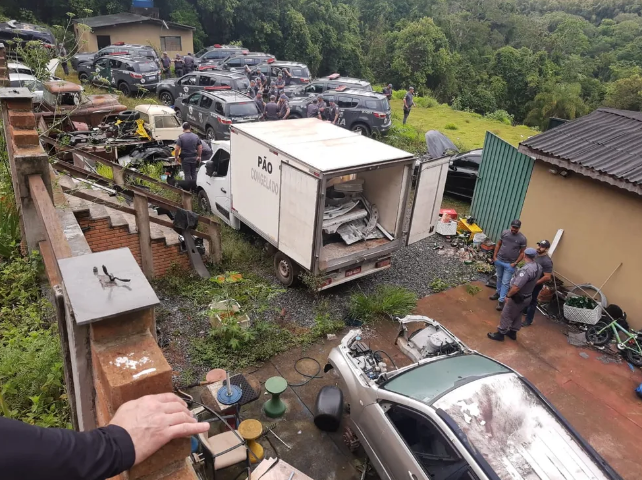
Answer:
(137, 33)
(602, 227)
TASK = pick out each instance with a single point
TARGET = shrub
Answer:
(387, 300)
(398, 94)
(426, 102)
(450, 126)
(501, 116)
(438, 285)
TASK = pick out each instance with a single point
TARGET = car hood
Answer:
(102, 100)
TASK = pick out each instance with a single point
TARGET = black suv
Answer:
(217, 53)
(299, 71)
(213, 112)
(119, 49)
(169, 90)
(359, 110)
(25, 32)
(331, 82)
(128, 74)
(238, 62)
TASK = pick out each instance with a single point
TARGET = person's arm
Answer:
(287, 112)
(520, 257)
(336, 116)
(497, 247)
(199, 152)
(546, 276)
(405, 102)
(513, 291)
(177, 152)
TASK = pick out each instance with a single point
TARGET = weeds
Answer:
(501, 116)
(451, 126)
(104, 171)
(9, 219)
(438, 285)
(386, 301)
(472, 290)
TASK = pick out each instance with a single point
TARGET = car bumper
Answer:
(382, 129)
(152, 87)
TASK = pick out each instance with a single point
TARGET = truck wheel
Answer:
(166, 98)
(83, 77)
(203, 202)
(285, 269)
(124, 88)
(361, 129)
(210, 133)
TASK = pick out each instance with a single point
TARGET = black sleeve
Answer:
(34, 453)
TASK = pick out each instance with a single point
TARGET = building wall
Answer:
(102, 236)
(602, 227)
(137, 33)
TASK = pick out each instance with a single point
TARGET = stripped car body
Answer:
(455, 414)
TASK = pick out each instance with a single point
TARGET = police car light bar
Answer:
(119, 43)
(270, 60)
(216, 45)
(334, 76)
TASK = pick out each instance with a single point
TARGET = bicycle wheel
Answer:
(633, 356)
(599, 334)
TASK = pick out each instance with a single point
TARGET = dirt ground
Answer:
(598, 399)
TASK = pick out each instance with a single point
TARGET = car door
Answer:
(214, 178)
(187, 85)
(347, 114)
(192, 108)
(100, 74)
(116, 68)
(236, 62)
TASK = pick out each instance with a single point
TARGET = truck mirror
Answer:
(452, 167)
(210, 168)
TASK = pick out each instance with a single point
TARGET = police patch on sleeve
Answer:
(521, 274)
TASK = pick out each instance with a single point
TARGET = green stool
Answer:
(275, 407)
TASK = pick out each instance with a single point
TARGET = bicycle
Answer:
(629, 344)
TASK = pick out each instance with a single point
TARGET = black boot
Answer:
(496, 336)
(500, 306)
(494, 296)
(512, 334)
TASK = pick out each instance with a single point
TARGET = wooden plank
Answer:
(187, 201)
(118, 174)
(51, 265)
(216, 249)
(47, 212)
(141, 208)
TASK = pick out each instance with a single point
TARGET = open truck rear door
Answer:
(429, 190)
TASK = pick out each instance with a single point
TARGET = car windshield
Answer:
(146, 67)
(243, 109)
(23, 70)
(243, 84)
(166, 121)
(300, 72)
(429, 381)
(200, 53)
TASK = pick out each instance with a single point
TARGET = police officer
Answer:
(546, 263)
(272, 109)
(408, 103)
(322, 106)
(313, 109)
(284, 107)
(387, 91)
(262, 80)
(166, 62)
(248, 72)
(189, 63)
(188, 152)
(179, 66)
(272, 91)
(253, 89)
(332, 112)
(519, 295)
(288, 76)
(280, 85)
(258, 99)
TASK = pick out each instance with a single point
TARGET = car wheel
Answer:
(361, 129)
(83, 77)
(285, 269)
(203, 202)
(124, 88)
(210, 133)
(166, 98)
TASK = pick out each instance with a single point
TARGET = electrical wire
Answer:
(308, 376)
(389, 358)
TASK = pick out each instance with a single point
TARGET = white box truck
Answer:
(276, 177)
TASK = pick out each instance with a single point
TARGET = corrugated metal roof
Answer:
(123, 18)
(607, 141)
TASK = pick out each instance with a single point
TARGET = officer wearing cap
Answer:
(272, 109)
(519, 295)
(258, 100)
(284, 107)
(387, 91)
(332, 112)
(508, 253)
(279, 85)
(408, 103)
(313, 110)
(188, 151)
(544, 261)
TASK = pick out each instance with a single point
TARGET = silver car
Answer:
(455, 414)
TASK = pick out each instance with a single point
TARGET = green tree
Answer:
(561, 100)
(299, 44)
(625, 93)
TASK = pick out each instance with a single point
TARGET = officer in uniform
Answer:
(288, 76)
(272, 109)
(313, 109)
(332, 112)
(253, 90)
(258, 99)
(387, 91)
(280, 85)
(284, 107)
(519, 295)
(262, 80)
(179, 66)
(322, 106)
(188, 152)
(546, 263)
(189, 63)
(272, 91)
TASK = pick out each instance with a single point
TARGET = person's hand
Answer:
(152, 421)
(513, 264)
(494, 258)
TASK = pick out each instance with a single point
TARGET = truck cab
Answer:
(161, 121)
(213, 181)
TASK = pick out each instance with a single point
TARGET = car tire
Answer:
(83, 77)
(166, 98)
(128, 115)
(286, 271)
(361, 129)
(204, 202)
(210, 133)
(124, 88)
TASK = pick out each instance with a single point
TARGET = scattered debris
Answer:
(331, 336)
(584, 355)
(606, 359)
(577, 339)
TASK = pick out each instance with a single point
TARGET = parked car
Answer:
(331, 82)
(119, 49)
(212, 113)
(25, 32)
(299, 71)
(28, 81)
(127, 74)
(463, 173)
(454, 414)
(217, 53)
(359, 110)
(238, 62)
(171, 89)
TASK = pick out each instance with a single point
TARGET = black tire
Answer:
(166, 98)
(128, 115)
(633, 357)
(83, 77)
(204, 202)
(210, 133)
(597, 338)
(124, 88)
(361, 128)
(286, 271)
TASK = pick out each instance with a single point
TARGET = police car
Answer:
(359, 110)
(322, 84)
(171, 89)
(116, 49)
(127, 74)
(217, 53)
(239, 62)
(212, 112)
(299, 71)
